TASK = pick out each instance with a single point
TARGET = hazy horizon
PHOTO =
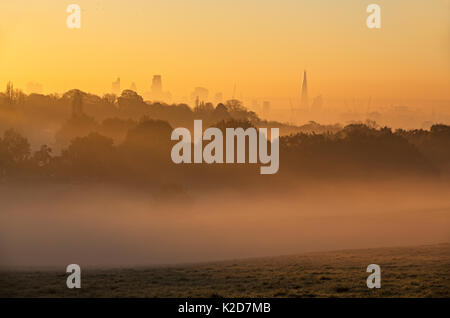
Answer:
(245, 49)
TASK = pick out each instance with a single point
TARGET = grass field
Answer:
(422, 271)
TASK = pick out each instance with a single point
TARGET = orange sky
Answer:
(261, 45)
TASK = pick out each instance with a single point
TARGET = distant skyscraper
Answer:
(317, 103)
(218, 98)
(266, 108)
(200, 94)
(116, 86)
(34, 88)
(157, 86)
(77, 104)
(156, 93)
(133, 87)
(304, 98)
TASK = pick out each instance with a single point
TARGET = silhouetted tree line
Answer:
(77, 113)
(361, 150)
(144, 156)
(128, 147)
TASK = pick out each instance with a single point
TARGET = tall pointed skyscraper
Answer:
(304, 98)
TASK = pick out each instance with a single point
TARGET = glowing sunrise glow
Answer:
(261, 46)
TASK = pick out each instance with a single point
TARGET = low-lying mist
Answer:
(101, 225)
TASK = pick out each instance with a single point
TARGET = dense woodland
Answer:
(126, 139)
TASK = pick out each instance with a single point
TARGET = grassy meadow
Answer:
(422, 271)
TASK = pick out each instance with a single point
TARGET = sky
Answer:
(261, 46)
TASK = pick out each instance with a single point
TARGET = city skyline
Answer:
(406, 58)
